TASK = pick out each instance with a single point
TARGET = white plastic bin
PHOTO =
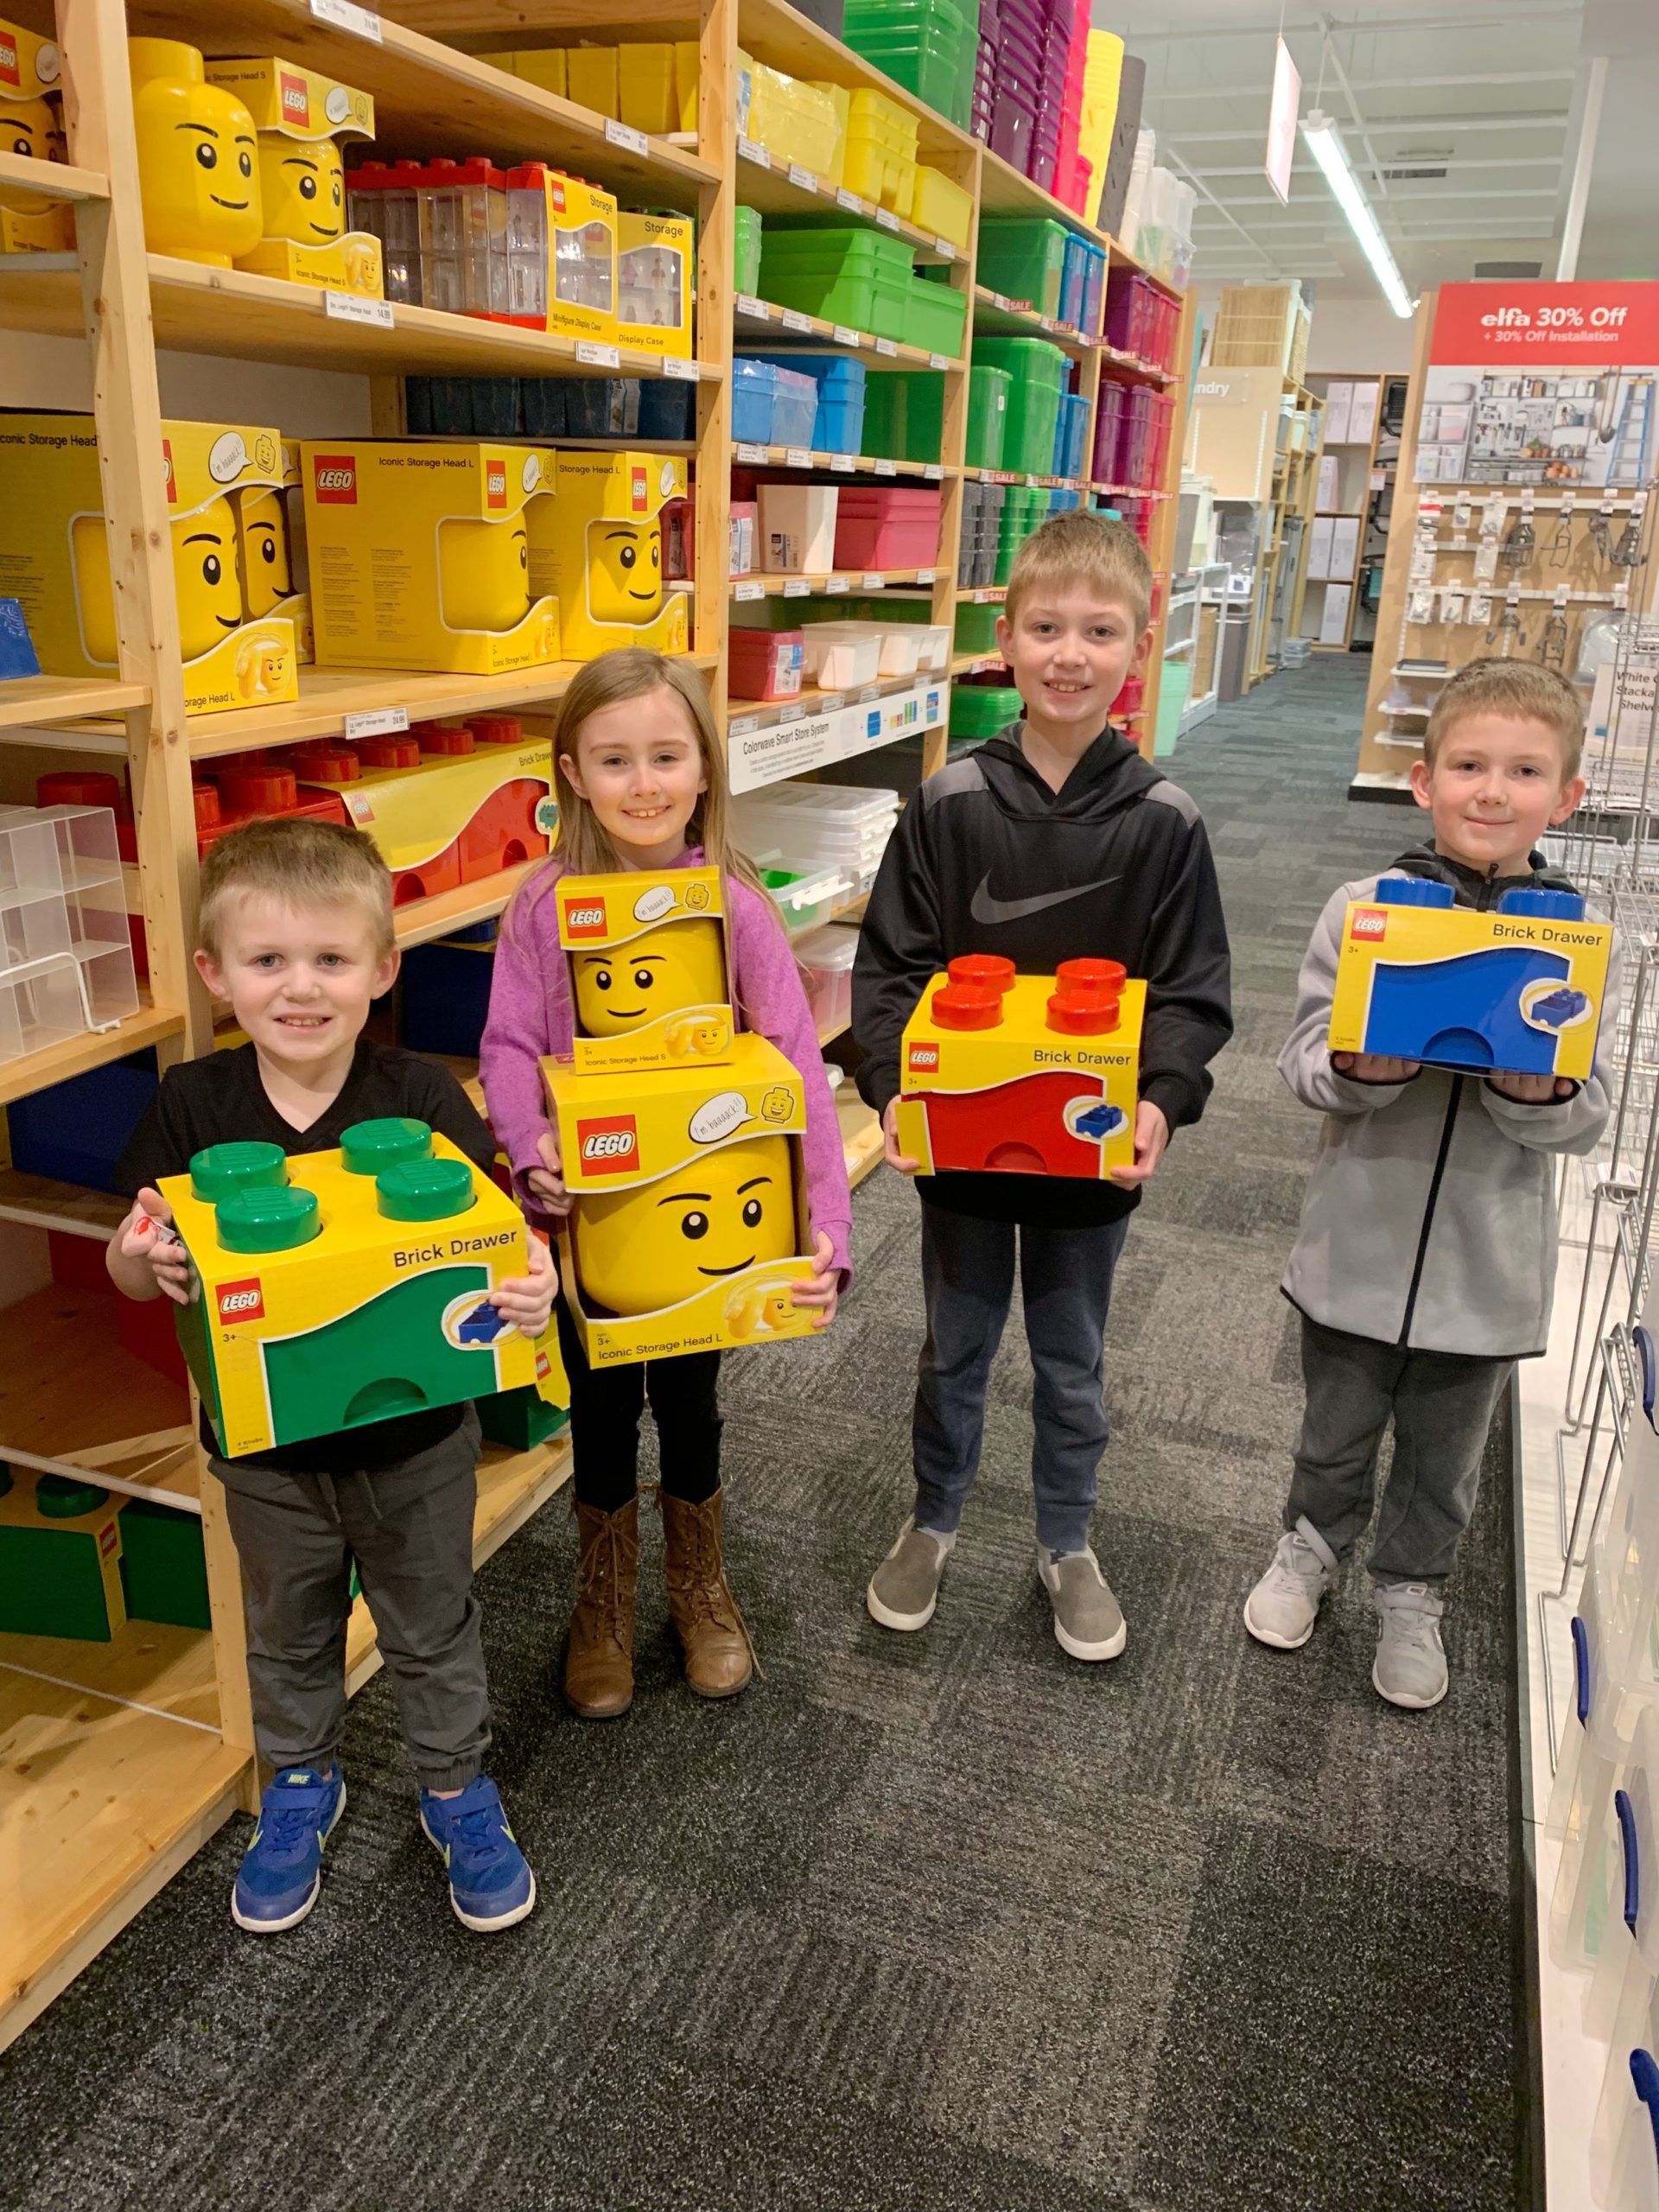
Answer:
(839, 657)
(826, 956)
(1620, 2004)
(810, 890)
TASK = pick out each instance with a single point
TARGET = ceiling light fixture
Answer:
(1325, 143)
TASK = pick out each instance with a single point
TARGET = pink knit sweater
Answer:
(530, 1016)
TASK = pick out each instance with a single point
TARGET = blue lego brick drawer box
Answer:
(1519, 987)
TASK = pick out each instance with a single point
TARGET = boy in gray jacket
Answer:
(1426, 1260)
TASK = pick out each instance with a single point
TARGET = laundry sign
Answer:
(1554, 326)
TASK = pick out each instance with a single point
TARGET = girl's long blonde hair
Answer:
(580, 845)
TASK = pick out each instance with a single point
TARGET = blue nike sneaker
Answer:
(490, 1885)
(281, 1873)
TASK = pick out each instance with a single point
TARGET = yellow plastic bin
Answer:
(591, 72)
(941, 207)
(686, 64)
(646, 85)
(795, 121)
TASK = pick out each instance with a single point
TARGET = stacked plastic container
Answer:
(879, 161)
(825, 957)
(772, 406)
(1071, 435)
(981, 535)
(765, 663)
(1082, 286)
(65, 952)
(1038, 374)
(1142, 320)
(1037, 94)
(826, 824)
(881, 526)
(1025, 260)
(927, 46)
(840, 384)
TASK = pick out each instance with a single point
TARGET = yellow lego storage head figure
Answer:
(483, 574)
(678, 964)
(301, 183)
(262, 542)
(206, 575)
(625, 570)
(198, 165)
(659, 1244)
(598, 547)
(29, 128)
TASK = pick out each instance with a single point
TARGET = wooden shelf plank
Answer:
(38, 1202)
(56, 1063)
(997, 317)
(832, 464)
(425, 919)
(71, 1391)
(860, 1134)
(776, 188)
(25, 699)
(53, 180)
(145, 1663)
(758, 320)
(842, 582)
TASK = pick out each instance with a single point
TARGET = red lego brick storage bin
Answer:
(886, 528)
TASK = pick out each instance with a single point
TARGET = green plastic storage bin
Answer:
(1037, 371)
(1024, 259)
(746, 258)
(845, 275)
(1024, 509)
(988, 415)
(938, 315)
(976, 628)
(981, 710)
(927, 46)
(904, 415)
(164, 1567)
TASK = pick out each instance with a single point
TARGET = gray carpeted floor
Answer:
(928, 1922)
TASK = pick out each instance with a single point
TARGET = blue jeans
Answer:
(1066, 1278)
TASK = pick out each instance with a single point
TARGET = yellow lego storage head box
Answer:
(54, 548)
(1518, 986)
(648, 963)
(338, 1288)
(198, 157)
(419, 554)
(30, 67)
(29, 222)
(690, 1224)
(598, 548)
(300, 117)
(1025, 1075)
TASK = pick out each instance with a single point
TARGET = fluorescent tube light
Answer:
(1325, 143)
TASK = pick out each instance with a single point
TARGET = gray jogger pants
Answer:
(1441, 1404)
(409, 1529)
(1065, 1278)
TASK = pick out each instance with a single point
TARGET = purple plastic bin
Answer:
(1011, 131)
(1108, 427)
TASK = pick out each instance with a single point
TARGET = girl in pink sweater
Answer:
(641, 783)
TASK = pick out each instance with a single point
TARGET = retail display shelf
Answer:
(760, 714)
(132, 1432)
(423, 919)
(762, 319)
(27, 699)
(51, 180)
(92, 1049)
(779, 187)
(39, 1202)
(860, 1134)
(835, 464)
(996, 314)
(829, 585)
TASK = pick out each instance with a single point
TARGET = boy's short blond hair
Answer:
(301, 863)
(1079, 547)
(1519, 689)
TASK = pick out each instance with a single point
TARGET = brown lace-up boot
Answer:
(719, 1657)
(599, 1658)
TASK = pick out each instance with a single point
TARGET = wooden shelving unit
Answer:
(117, 1761)
(1363, 470)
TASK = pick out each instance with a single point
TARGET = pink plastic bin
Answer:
(765, 663)
(884, 528)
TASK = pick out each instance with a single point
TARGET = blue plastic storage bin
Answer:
(76, 1131)
(1094, 289)
(1072, 283)
(445, 994)
(773, 406)
(840, 424)
(1070, 433)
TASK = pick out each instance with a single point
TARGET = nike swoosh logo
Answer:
(984, 908)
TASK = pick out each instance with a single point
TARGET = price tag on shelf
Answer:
(361, 23)
(797, 457)
(832, 702)
(351, 306)
(934, 471)
(791, 714)
(803, 179)
(944, 248)
(886, 345)
(377, 722)
(870, 692)
(844, 461)
(925, 575)
(849, 201)
(625, 136)
(873, 582)
(799, 323)
(678, 369)
(798, 588)
(595, 356)
(938, 360)
(886, 468)
(886, 218)
(743, 725)
(834, 586)
(749, 151)
(753, 456)
(1002, 300)
(745, 303)
(748, 591)
(846, 337)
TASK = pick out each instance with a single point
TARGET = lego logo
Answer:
(639, 493)
(1368, 925)
(556, 193)
(609, 1146)
(241, 1301)
(923, 1056)
(167, 477)
(9, 73)
(296, 101)
(495, 485)
(586, 921)
(333, 480)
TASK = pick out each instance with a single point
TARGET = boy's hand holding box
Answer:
(1519, 988)
(648, 960)
(1033, 1075)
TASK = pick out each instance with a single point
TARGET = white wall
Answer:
(1365, 335)
(45, 372)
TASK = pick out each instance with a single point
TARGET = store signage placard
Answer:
(1281, 120)
(1553, 326)
(759, 756)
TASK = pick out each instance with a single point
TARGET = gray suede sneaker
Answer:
(1285, 1603)
(905, 1589)
(1087, 1620)
(1410, 1666)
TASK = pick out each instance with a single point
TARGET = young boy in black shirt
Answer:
(296, 932)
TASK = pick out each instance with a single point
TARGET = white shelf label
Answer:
(1000, 300)
(377, 721)
(787, 715)
(753, 456)
(803, 179)
(749, 151)
(595, 356)
(844, 461)
(625, 136)
(944, 248)
(835, 585)
(743, 725)
(748, 591)
(846, 337)
(873, 582)
(849, 201)
(988, 598)
(351, 306)
(870, 692)
(885, 467)
(797, 457)
(1047, 322)
(799, 323)
(925, 575)
(886, 218)
(938, 360)
(745, 303)
(832, 703)
(886, 345)
(678, 369)
(934, 471)
(361, 23)
(798, 588)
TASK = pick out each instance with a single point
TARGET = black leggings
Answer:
(605, 1410)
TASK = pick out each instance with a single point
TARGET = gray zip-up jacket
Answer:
(1429, 1217)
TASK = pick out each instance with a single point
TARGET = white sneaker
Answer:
(1088, 1621)
(905, 1589)
(1410, 1665)
(1285, 1603)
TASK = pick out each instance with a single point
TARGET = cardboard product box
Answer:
(656, 265)
(419, 554)
(426, 814)
(561, 254)
(1046, 1084)
(270, 544)
(597, 550)
(1333, 614)
(60, 1557)
(649, 963)
(339, 1288)
(54, 553)
(1519, 988)
(690, 1221)
(30, 68)
(300, 117)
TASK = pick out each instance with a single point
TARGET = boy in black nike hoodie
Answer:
(1055, 841)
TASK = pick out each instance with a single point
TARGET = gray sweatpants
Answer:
(1441, 1406)
(409, 1529)
(1065, 1279)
